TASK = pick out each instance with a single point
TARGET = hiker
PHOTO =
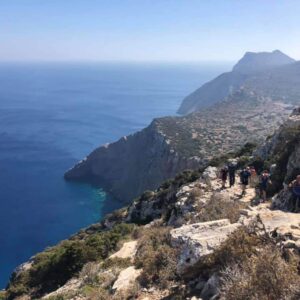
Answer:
(223, 176)
(244, 175)
(253, 177)
(263, 184)
(231, 172)
(295, 186)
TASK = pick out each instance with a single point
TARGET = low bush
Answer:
(156, 257)
(218, 208)
(265, 276)
(118, 262)
(55, 266)
(246, 150)
(2, 295)
(95, 293)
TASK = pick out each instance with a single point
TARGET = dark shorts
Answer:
(263, 187)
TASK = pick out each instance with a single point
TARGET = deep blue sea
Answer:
(52, 115)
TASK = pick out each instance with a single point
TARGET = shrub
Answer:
(121, 263)
(220, 160)
(218, 208)
(89, 273)
(55, 266)
(195, 194)
(246, 150)
(266, 276)
(95, 293)
(2, 295)
(157, 258)
(239, 246)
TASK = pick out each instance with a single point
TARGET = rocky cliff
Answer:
(133, 164)
(274, 72)
(281, 152)
(172, 144)
(189, 239)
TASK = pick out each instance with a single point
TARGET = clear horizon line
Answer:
(118, 61)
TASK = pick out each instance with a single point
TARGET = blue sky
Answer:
(142, 30)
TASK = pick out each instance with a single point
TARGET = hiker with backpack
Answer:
(244, 176)
(263, 184)
(223, 176)
(295, 187)
(231, 172)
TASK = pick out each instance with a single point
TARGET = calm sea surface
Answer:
(52, 115)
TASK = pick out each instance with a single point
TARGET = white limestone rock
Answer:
(209, 174)
(126, 278)
(128, 250)
(200, 239)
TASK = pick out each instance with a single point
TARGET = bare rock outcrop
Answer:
(128, 250)
(126, 278)
(200, 239)
(285, 224)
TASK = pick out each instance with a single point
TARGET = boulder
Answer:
(211, 287)
(209, 174)
(72, 285)
(126, 278)
(199, 239)
(285, 224)
(282, 200)
(128, 250)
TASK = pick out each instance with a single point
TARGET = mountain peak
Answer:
(260, 61)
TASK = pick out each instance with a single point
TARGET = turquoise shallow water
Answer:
(53, 115)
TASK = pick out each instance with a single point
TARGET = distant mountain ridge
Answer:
(264, 65)
(255, 62)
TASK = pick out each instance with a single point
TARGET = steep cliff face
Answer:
(170, 145)
(282, 150)
(273, 72)
(133, 164)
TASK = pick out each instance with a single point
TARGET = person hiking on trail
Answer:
(223, 176)
(253, 178)
(231, 172)
(245, 174)
(263, 185)
(295, 186)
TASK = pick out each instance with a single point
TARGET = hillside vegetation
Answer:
(189, 238)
